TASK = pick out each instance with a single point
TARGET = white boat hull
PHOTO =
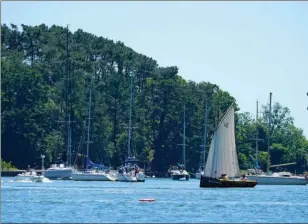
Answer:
(93, 177)
(128, 177)
(269, 180)
(61, 173)
(32, 178)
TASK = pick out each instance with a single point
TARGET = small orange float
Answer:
(147, 199)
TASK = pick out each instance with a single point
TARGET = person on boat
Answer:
(244, 178)
(224, 177)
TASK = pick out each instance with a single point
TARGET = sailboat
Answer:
(130, 171)
(276, 178)
(222, 158)
(179, 172)
(200, 171)
(64, 171)
(101, 173)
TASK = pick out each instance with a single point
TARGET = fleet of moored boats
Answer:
(221, 160)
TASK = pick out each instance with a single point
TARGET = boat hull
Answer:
(179, 177)
(268, 180)
(92, 177)
(128, 177)
(31, 178)
(207, 182)
(63, 174)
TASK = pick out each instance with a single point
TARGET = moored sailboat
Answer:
(179, 172)
(101, 173)
(222, 158)
(130, 171)
(64, 171)
(276, 178)
(200, 171)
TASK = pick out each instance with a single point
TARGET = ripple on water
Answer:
(175, 202)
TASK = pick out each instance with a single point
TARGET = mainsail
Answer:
(222, 157)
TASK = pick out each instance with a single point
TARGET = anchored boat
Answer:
(130, 171)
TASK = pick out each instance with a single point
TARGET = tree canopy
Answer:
(35, 91)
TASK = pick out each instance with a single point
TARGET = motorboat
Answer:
(30, 176)
(179, 173)
(130, 171)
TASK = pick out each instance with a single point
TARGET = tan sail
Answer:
(222, 157)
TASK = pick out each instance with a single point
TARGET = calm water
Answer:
(176, 201)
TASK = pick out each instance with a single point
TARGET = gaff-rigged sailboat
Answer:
(222, 158)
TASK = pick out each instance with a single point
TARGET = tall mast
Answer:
(257, 133)
(69, 104)
(269, 133)
(204, 136)
(129, 152)
(89, 123)
(184, 134)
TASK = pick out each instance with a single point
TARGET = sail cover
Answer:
(222, 157)
(95, 165)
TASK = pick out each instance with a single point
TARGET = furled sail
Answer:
(98, 166)
(222, 157)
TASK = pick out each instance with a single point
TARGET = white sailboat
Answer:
(179, 172)
(92, 174)
(63, 171)
(200, 171)
(222, 158)
(276, 178)
(130, 171)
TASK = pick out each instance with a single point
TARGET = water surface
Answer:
(176, 201)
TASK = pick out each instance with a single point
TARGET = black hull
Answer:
(140, 180)
(179, 176)
(208, 182)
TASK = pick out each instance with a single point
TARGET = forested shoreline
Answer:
(34, 97)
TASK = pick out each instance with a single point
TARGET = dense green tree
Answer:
(43, 66)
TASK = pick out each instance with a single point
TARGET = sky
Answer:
(247, 48)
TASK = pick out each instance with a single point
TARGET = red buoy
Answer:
(147, 199)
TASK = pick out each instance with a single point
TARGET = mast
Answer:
(129, 152)
(269, 133)
(184, 134)
(89, 123)
(204, 136)
(69, 104)
(257, 133)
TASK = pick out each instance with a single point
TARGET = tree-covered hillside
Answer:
(35, 68)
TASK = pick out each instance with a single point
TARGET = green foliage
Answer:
(34, 91)
(7, 166)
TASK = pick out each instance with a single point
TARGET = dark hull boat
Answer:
(208, 182)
